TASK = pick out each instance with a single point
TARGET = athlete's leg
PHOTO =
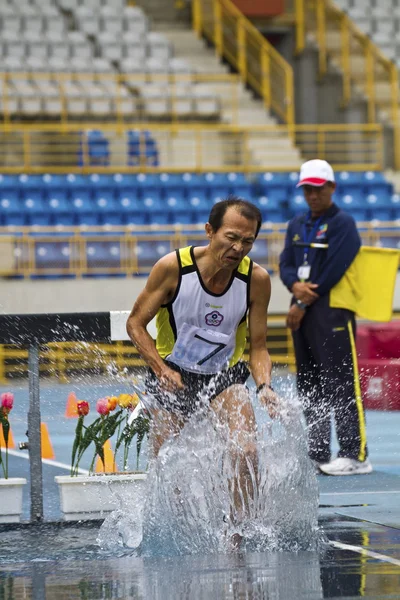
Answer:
(164, 424)
(234, 410)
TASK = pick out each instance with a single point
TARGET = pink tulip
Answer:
(102, 406)
(7, 401)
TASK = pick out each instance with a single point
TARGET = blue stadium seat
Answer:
(176, 180)
(349, 180)
(94, 149)
(355, 199)
(218, 185)
(128, 200)
(259, 252)
(35, 208)
(104, 254)
(180, 217)
(57, 200)
(8, 182)
(131, 207)
(199, 217)
(175, 199)
(112, 218)
(51, 182)
(354, 204)
(73, 181)
(11, 211)
(52, 255)
(199, 205)
(101, 181)
(270, 208)
(155, 207)
(281, 185)
(88, 218)
(26, 183)
(104, 200)
(142, 149)
(149, 253)
(379, 206)
(59, 208)
(124, 181)
(297, 204)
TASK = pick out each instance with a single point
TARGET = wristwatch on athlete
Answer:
(301, 304)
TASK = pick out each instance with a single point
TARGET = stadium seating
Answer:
(176, 198)
(109, 59)
(380, 19)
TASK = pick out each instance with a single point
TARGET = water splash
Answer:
(187, 505)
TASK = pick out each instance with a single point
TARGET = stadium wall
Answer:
(103, 294)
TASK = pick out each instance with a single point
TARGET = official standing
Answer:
(319, 248)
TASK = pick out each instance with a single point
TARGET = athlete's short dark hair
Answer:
(244, 208)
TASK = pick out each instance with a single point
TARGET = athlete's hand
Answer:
(171, 380)
(295, 317)
(271, 401)
(304, 291)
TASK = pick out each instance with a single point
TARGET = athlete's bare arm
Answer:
(260, 360)
(159, 290)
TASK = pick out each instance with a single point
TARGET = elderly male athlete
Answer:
(206, 299)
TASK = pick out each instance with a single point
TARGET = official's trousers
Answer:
(328, 381)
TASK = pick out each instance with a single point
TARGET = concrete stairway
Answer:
(271, 150)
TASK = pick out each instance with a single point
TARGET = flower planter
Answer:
(94, 496)
(11, 499)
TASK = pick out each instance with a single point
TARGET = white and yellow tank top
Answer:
(201, 331)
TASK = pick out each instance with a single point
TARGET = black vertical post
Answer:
(34, 436)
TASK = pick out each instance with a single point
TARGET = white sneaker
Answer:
(346, 466)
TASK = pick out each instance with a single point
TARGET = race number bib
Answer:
(201, 350)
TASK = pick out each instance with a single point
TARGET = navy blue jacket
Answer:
(337, 229)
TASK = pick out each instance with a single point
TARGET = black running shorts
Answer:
(199, 390)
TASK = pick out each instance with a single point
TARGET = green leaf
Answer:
(78, 438)
(6, 430)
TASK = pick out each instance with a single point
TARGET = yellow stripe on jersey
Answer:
(165, 336)
(186, 259)
(244, 266)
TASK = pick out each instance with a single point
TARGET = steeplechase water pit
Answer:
(306, 536)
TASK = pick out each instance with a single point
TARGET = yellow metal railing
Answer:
(66, 360)
(364, 67)
(119, 97)
(133, 250)
(65, 148)
(257, 61)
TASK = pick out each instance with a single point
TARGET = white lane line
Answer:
(47, 461)
(364, 492)
(364, 552)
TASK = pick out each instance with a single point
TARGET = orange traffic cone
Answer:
(71, 409)
(11, 443)
(109, 460)
(47, 447)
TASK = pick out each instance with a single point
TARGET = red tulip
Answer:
(102, 406)
(82, 408)
(7, 401)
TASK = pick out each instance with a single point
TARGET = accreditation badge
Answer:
(304, 272)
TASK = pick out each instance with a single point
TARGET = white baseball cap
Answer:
(315, 172)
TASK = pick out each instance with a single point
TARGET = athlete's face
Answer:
(233, 240)
(319, 199)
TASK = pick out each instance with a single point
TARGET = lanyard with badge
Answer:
(304, 271)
